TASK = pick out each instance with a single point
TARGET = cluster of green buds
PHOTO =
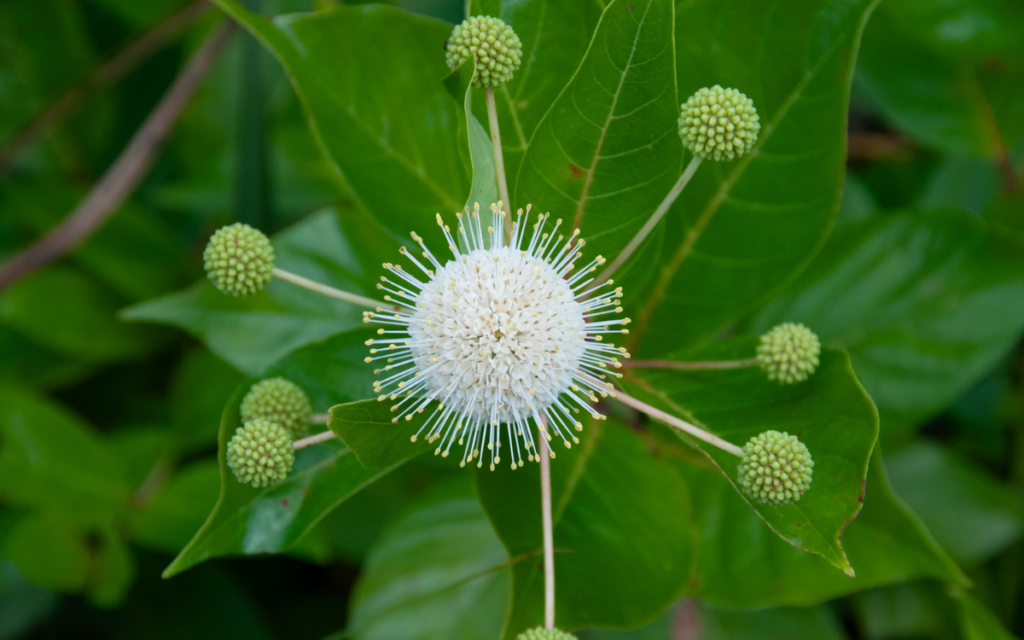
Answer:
(495, 46)
(789, 353)
(540, 633)
(275, 412)
(239, 260)
(721, 124)
(776, 468)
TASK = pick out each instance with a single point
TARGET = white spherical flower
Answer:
(497, 337)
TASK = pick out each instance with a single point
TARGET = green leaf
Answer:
(973, 516)
(743, 564)
(201, 386)
(924, 303)
(742, 229)
(170, 521)
(607, 151)
(52, 460)
(977, 622)
(618, 512)
(87, 325)
(554, 34)
(725, 624)
(367, 429)
(473, 138)
(22, 604)
(250, 521)
(383, 119)
(936, 99)
(342, 251)
(437, 573)
(830, 413)
(48, 552)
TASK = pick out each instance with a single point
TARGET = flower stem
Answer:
(677, 423)
(331, 292)
(655, 218)
(549, 539)
(315, 439)
(499, 160)
(690, 366)
(320, 418)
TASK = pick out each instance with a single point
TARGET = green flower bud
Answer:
(776, 468)
(239, 259)
(789, 353)
(540, 633)
(719, 123)
(281, 401)
(260, 453)
(494, 44)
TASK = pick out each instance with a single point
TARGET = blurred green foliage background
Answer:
(108, 429)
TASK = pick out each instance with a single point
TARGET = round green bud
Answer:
(494, 44)
(789, 353)
(260, 453)
(718, 123)
(239, 259)
(281, 401)
(540, 633)
(776, 468)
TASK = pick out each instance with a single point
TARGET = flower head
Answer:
(281, 401)
(493, 43)
(719, 123)
(789, 353)
(540, 633)
(498, 335)
(260, 453)
(239, 259)
(776, 468)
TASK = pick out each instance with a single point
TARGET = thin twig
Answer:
(320, 418)
(499, 159)
(671, 420)
(330, 292)
(548, 528)
(315, 439)
(672, 364)
(653, 221)
(125, 174)
(108, 74)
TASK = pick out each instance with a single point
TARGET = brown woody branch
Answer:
(124, 175)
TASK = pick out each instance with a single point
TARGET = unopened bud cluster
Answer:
(281, 401)
(776, 468)
(718, 123)
(789, 353)
(260, 453)
(493, 43)
(541, 633)
(239, 260)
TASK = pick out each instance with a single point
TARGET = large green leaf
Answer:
(924, 303)
(935, 98)
(743, 228)
(743, 564)
(830, 413)
(437, 573)
(618, 513)
(341, 250)
(554, 34)
(607, 151)
(86, 326)
(977, 622)
(383, 119)
(51, 460)
(972, 515)
(247, 520)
